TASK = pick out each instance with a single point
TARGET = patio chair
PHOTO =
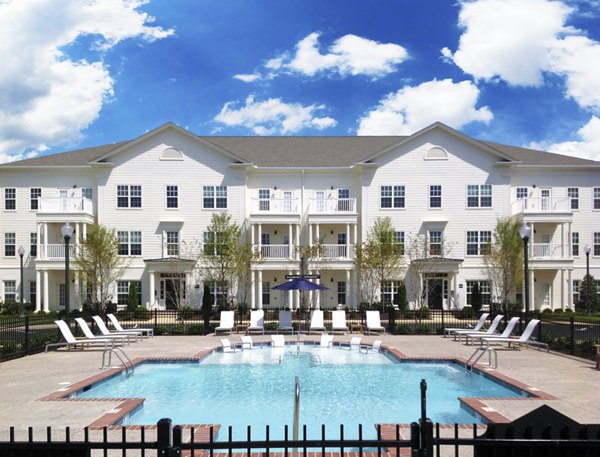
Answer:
(376, 346)
(257, 322)
(285, 322)
(326, 341)
(338, 322)
(71, 341)
(226, 345)
(505, 334)
(121, 339)
(106, 332)
(117, 325)
(477, 328)
(490, 331)
(226, 322)
(277, 341)
(374, 323)
(316, 322)
(525, 337)
(354, 343)
(247, 342)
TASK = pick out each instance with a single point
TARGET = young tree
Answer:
(588, 295)
(133, 300)
(504, 261)
(99, 264)
(476, 298)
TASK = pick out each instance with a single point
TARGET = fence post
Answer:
(164, 439)
(415, 439)
(539, 329)
(155, 319)
(391, 319)
(26, 334)
(571, 335)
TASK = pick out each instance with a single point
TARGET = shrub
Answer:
(569, 311)
(178, 330)
(9, 347)
(422, 329)
(186, 312)
(196, 329)
(141, 313)
(558, 311)
(587, 346)
(547, 311)
(133, 300)
(423, 313)
(476, 297)
(160, 330)
(271, 326)
(467, 312)
(402, 329)
(401, 300)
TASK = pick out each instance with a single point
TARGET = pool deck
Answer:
(569, 385)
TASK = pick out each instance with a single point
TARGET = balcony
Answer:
(337, 251)
(332, 206)
(275, 206)
(65, 205)
(56, 252)
(536, 205)
(274, 251)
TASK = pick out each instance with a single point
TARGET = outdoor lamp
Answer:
(587, 249)
(21, 252)
(67, 233)
(525, 232)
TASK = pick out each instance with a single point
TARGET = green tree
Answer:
(588, 295)
(476, 298)
(99, 264)
(504, 260)
(207, 303)
(133, 300)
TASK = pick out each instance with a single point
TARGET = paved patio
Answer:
(574, 382)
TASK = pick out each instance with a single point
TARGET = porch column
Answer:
(317, 232)
(84, 232)
(347, 245)
(347, 288)
(563, 289)
(532, 306)
(355, 297)
(39, 241)
(46, 294)
(310, 234)
(297, 295)
(355, 234)
(297, 239)
(252, 290)
(290, 296)
(570, 289)
(317, 293)
(38, 291)
(152, 296)
(260, 288)
(290, 232)
(45, 254)
(259, 238)
(455, 299)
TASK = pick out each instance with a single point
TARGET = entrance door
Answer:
(171, 293)
(435, 293)
(546, 199)
(63, 196)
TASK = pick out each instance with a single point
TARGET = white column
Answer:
(84, 232)
(259, 241)
(297, 240)
(290, 296)
(347, 287)
(531, 291)
(152, 296)
(46, 294)
(355, 234)
(455, 292)
(347, 245)
(290, 240)
(38, 291)
(310, 234)
(317, 232)
(45, 241)
(297, 294)
(563, 289)
(570, 289)
(260, 286)
(253, 290)
(317, 301)
(39, 241)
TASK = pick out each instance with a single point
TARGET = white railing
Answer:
(274, 206)
(337, 251)
(541, 205)
(65, 205)
(332, 205)
(548, 250)
(57, 251)
(273, 251)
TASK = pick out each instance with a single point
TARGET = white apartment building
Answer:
(160, 190)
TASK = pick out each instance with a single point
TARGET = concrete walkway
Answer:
(24, 381)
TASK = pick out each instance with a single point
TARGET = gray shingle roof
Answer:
(533, 157)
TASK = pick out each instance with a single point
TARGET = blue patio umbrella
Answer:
(299, 284)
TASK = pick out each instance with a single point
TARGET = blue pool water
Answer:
(256, 387)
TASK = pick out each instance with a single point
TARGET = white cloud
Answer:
(588, 146)
(45, 97)
(247, 78)
(412, 108)
(348, 55)
(273, 116)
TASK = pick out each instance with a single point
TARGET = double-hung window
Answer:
(399, 242)
(341, 292)
(264, 199)
(123, 292)
(435, 196)
(435, 242)
(10, 242)
(172, 197)
(35, 193)
(209, 243)
(392, 197)
(172, 243)
(130, 243)
(575, 244)
(484, 290)
(478, 243)
(214, 196)
(10, 198)
(596, 244)
(573, 193)
(596, 197)
(129, 196)
(479, 196)
(10, 289)
(33, 244)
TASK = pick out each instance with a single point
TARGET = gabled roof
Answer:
(533, 157)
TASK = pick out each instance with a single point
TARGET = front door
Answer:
(435, 293)
(170, 294)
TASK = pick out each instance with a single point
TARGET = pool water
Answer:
(338, 386)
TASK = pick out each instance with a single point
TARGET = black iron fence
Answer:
(575, 334)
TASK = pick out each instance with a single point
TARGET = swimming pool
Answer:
(338, 386)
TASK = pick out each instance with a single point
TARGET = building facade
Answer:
(160, 190)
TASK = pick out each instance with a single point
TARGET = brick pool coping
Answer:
(126, 405)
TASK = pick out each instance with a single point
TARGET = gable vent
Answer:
(171, 154)
(436, 153)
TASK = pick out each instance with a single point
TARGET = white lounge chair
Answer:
(117, 325)
(121, 339)
(326, 341)
(354, 342)
(277, 341)
(247, 342)
(477, 328)
(316, 322)
(525, 337)
(71, 341)
(505, 334)
(226, 345)
(338, 322)
(374, 323)
(257, 322)
(106, 332)
(285, 322)
(226, 322)
(376, 346)
(490, 331)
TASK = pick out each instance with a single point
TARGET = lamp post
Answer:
(525, 232)
(21, 252)
(588, 249)
(67, 233)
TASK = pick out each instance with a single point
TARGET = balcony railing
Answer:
(332, 206)
(275, 206)
(274, 251)
(541, 205)
(57, 251)
(65, 205)
(549, 251)
(337, 251)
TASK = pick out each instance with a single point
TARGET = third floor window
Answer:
(35, 193)
(573, 193)
(596, 197)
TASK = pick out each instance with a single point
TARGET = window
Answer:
(389, 290)
(264, 199)
(479, 196)
(265, 241)
(209, 243)
(172, 243)
(484, 290)
(219, 294)
(576, 288)
(32, 292)
(130, 243)
(596, 197)
(343, 203)
(266, 293)
(393, 197)
(172, 197)
(596, 243)
(399, 242)
(435, 196)
(435, 242)
(214, 196)
(33, 244)
(35, 193)
(478, 243)
(10, 244)
(341, 292)
(10, 288)
(573, 193)
(123, 292)
(129, 196)
(87, 192)
(575, 243)
(10, 198)
(521, 193)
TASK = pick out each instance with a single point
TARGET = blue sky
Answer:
(89, 72)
